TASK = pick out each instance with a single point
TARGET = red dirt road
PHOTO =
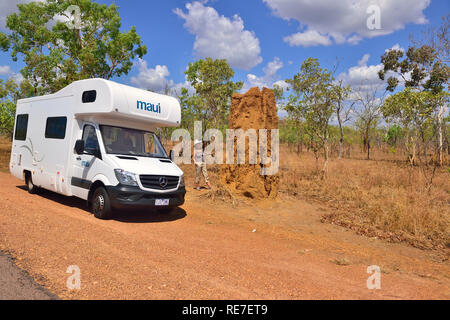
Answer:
(204, 251)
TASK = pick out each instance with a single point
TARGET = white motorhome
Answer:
(95, 139)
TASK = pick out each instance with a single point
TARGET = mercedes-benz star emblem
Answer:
(163, 182)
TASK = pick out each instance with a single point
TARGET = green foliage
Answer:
(55, 55)
(394, 134)
(191, 110)
(311, 101)
(411, 108)
(8, 96)
(416, 111)
(290, 132)
(351, 135)
(279, 93)
(214, 89)
(10, 92)
(7, 112)
(419, 108)
(366, 128)
(340, 93)
(419, 69)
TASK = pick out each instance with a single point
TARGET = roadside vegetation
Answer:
(371, 197)
(5, 152)
(377, 156)
(374, 197)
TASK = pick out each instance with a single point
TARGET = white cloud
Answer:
(269, 78)
(281, 83)
(272, 67)
(5, 70)
(18, 77)
(219, 37)
(175, 89)
(396, 47)
(364, 76)
(364, 60)
(7, 7)
(155, 79)
(345, 20)
(308, 38)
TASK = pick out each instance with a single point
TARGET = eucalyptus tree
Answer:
(343, 109)
(57, 51)
(311, 99)
(422, 69)
(212, 81)
(368, 102)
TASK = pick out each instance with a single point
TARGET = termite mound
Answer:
(257, 110)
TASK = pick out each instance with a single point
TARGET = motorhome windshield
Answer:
(131, 142)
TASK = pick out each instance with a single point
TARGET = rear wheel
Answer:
(32, 189)
(101, 204)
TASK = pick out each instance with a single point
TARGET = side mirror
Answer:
(96, 153)
(79, 146)
(171, 155)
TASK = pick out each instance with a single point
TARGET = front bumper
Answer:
(127, 197)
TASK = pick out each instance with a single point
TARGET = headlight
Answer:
(125, 177)
(182, 181)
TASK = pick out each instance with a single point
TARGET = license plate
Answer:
(161, 202)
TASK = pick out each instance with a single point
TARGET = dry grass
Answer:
(341, 261)
(5, 152)
(374, 198)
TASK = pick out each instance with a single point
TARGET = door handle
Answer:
(79, 158)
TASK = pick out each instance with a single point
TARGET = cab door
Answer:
(85, 165)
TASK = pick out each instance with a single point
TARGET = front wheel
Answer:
(101, 204)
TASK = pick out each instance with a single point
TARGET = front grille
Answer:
(153, 182)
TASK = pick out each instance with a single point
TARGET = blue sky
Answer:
(264, 40)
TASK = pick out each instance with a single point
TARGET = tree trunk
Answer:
(441, 140)
(368, 144)
(317, 162)
(300, 138)
(326, 155)
(341, 138)
(300, 142)
(422, 136)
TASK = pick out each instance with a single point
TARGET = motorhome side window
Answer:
(89, 96)
(21, 127)
(90, 139)
(56, 128)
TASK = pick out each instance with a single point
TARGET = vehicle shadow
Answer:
(126, 216)
(72, 202)
(148, 216)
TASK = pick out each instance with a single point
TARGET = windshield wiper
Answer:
(125, 154)
(140, 155)
(152, 156)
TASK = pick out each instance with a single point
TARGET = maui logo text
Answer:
(149, 106)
